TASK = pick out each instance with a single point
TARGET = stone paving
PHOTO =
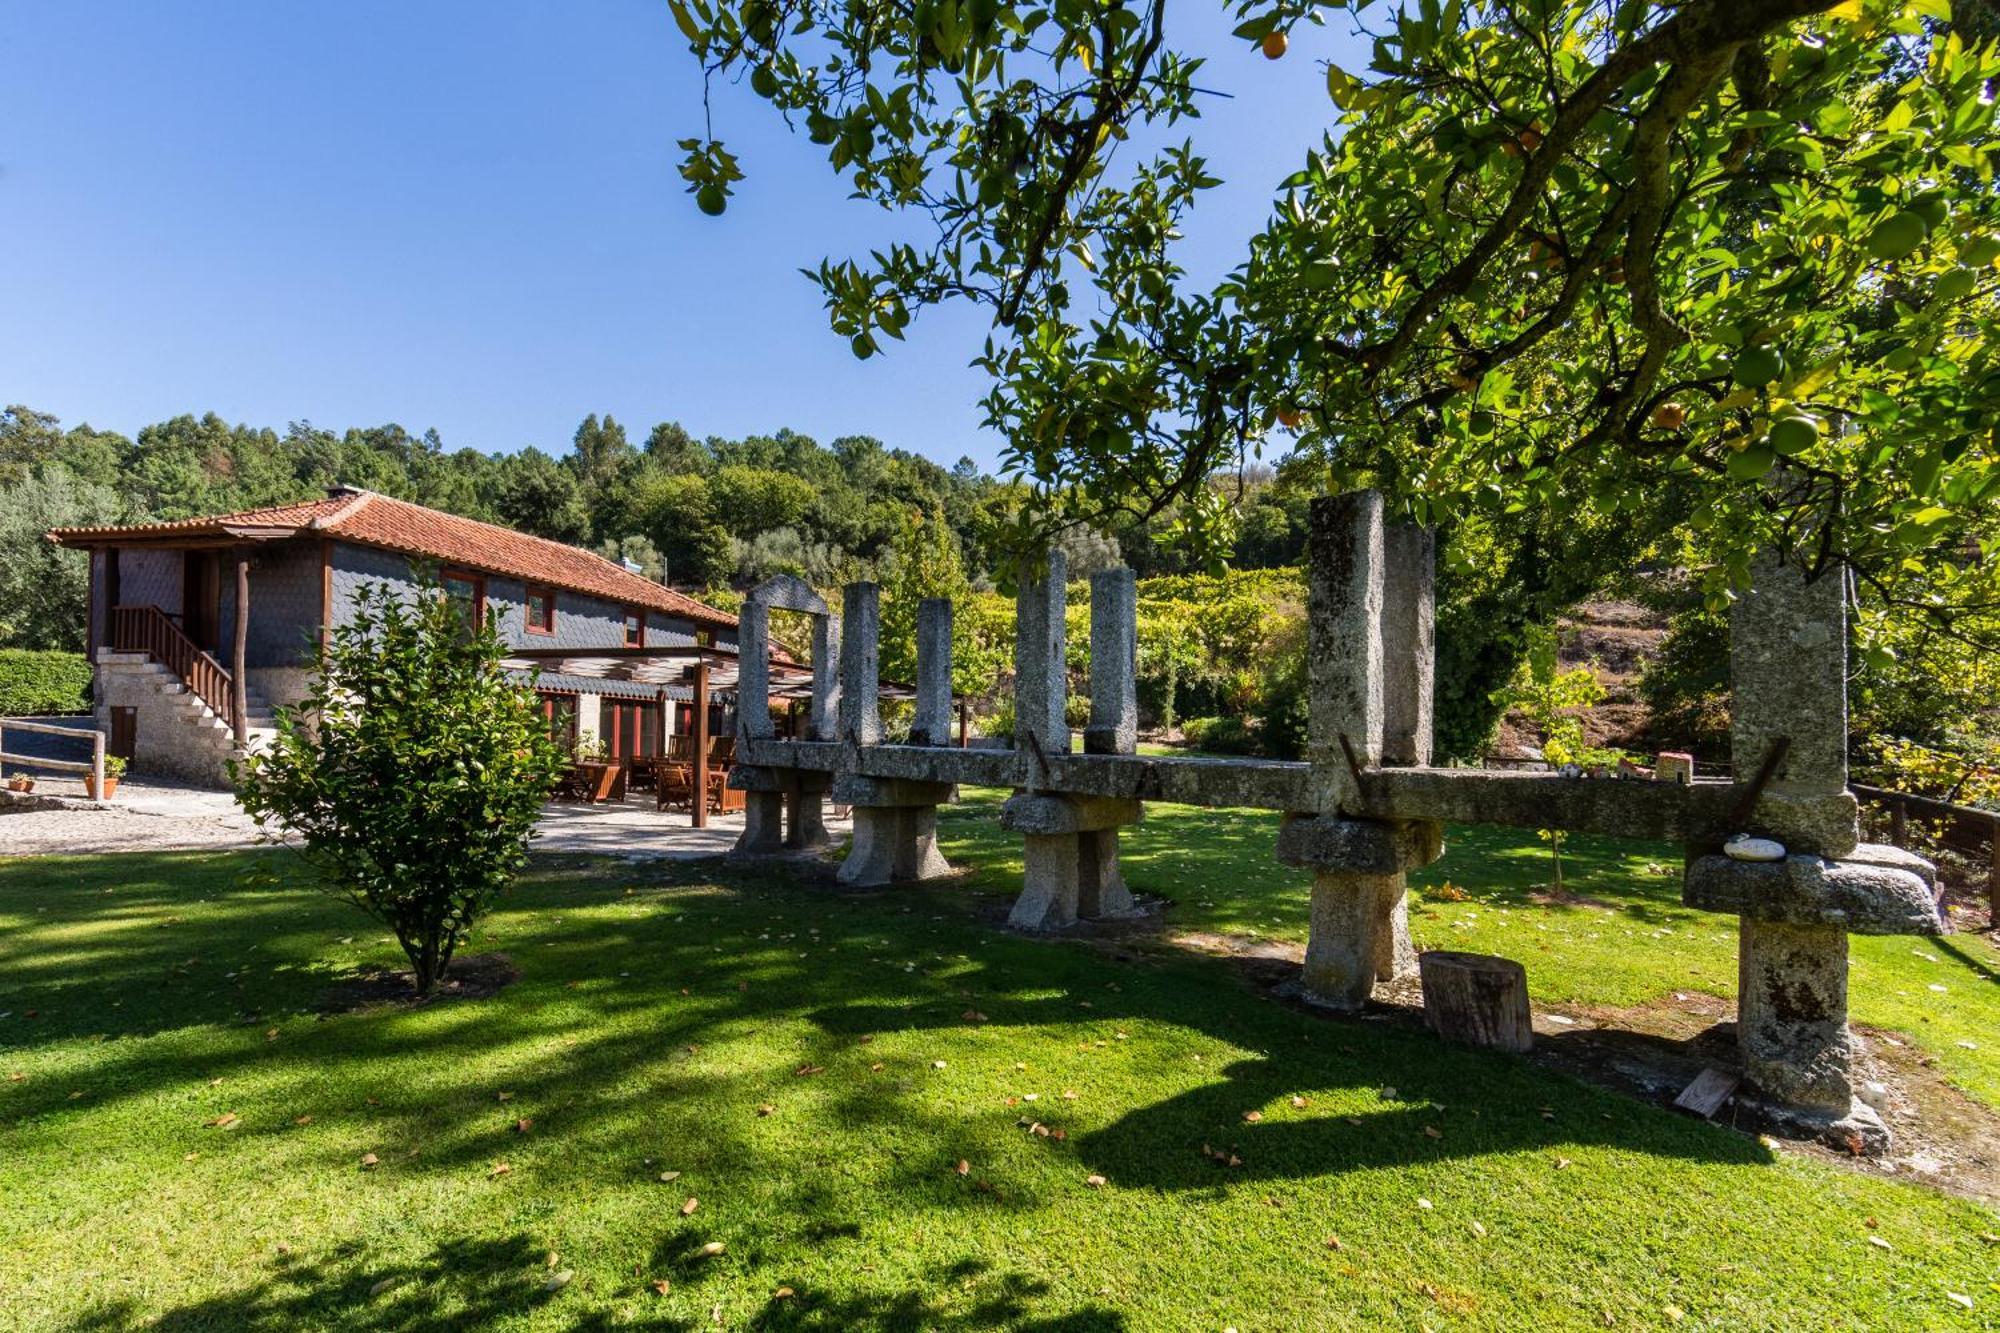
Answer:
(155, 817)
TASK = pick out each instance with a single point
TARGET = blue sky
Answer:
(468, 217)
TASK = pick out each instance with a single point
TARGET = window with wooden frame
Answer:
(635, 627)
(468, 592)
(538, 609)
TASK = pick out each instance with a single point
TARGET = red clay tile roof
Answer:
(369, 519)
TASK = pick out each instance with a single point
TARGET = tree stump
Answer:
(1477, 999)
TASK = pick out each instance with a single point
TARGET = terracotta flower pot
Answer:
(110, 787)
(20, 784)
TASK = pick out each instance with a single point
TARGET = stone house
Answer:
(182, 680)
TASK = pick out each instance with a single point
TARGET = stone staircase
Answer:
(178, 735)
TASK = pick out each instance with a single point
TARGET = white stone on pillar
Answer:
(860, 640)
(1114, 664)
(933, 722)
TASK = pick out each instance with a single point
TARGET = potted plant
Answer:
(114, 768)
(20, 782)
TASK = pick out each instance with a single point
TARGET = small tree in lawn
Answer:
(413, 772)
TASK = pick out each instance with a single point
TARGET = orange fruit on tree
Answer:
(1670, 416)
(1274, 45)
(1290, 417)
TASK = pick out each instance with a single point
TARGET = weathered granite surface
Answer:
(1365, 846)
(1804, 889)
(1344, 639)
(1114, 656)
(858, 789)
(860, 655)
(1409, 656)
(932, 724)
(1044, 813)
(1041, 681)
(823, 718)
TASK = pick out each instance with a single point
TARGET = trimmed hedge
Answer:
(38, 683)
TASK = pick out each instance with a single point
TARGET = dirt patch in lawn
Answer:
(1942, 1136)
(476, 977)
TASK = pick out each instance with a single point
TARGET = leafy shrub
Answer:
(34, 683)
(1221, 735)
(413, 772)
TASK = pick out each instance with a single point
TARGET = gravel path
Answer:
(144, 817)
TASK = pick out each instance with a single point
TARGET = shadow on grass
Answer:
(473, 1283)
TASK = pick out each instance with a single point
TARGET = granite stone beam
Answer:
(1041, 678)
(1344, 641)
(1114, 663)
(860, 652)
(933, 722)
(823, 719)
(1408, 649)
(763, 824)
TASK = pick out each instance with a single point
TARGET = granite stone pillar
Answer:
(933, 722)
(860, 648)
(753, 670)
(1041, 681)
(1359, 926)
(1344, 641)
(895, 830)
(805, 812)
(1071, 868)
(823, 719)
(1408, 654)
(1114, 664)
(1791, 1014)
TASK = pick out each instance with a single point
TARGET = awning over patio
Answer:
(673, 669)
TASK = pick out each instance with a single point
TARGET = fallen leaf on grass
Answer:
(383, 1285)
(766, 1109)
(213, 1083)
(973, 1016)
(1253, 1116)
(369, 1159)
(270, 1034)
(1674, 1313)
(1563, 1162)
(1333, 1242)
(1096, 1182)
(302, 1120)
(1424, 1204)
(782, 1294)
(1069, 1094)
(662, 1286)
(225, 1120)
(499, 1169)
(964, 1168)
(1299, 1103)
(1959, 1298)
(687, 1209)
(1433, 1132)
(505, 1096)
(875, 1068)
(1478, 1230)
(806, 1071)
(1879, 1243)
(670, 1176)
(557, 1281)
(937, 1064)
(710, 1250)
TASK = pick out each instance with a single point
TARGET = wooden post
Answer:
(1478, 999)
(240, 702)
(701, 743)
(1899, 822)
(1993, 875)
(97, 764)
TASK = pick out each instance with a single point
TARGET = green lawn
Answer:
(147, 997)
(1627, 941)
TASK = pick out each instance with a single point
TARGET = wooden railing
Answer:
(1963, 828)
(94, 770)
(146, 629)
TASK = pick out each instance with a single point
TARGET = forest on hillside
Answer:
(1221, 647)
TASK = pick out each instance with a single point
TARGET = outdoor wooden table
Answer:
(604, 780)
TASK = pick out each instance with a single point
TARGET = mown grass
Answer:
(146, 997)
(1621, 938)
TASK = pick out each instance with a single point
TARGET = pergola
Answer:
(706, 671)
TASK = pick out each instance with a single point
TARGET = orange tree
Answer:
(1725, 260)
